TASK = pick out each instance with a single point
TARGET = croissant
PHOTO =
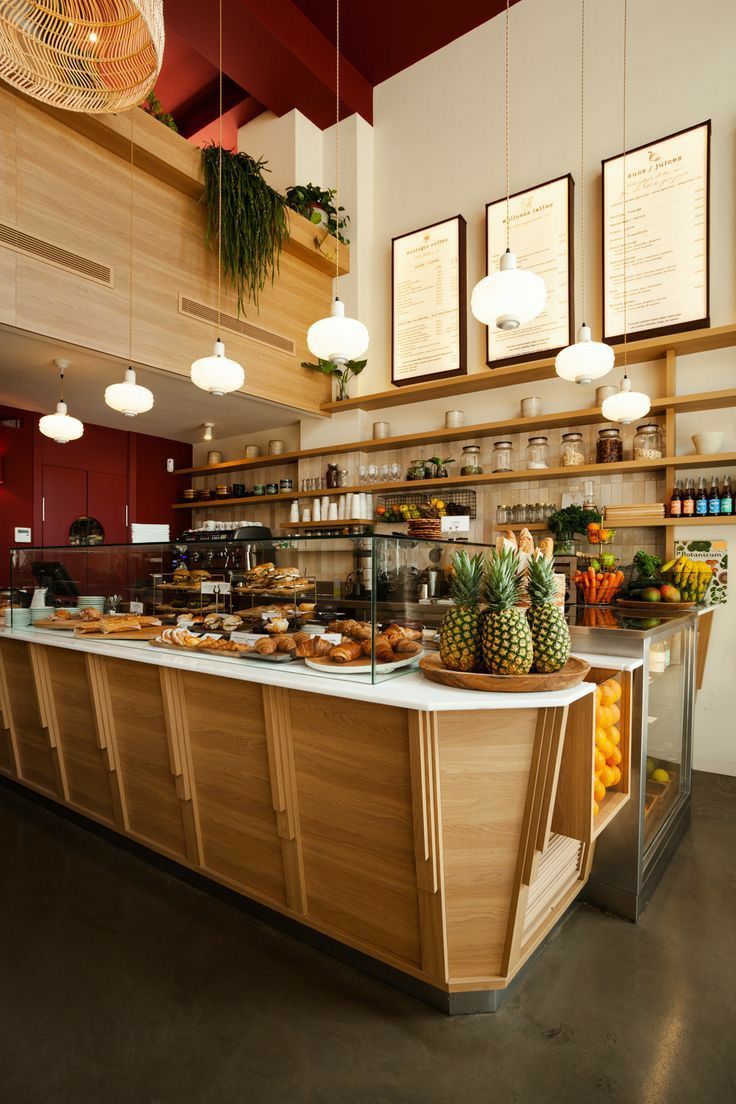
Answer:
(407, 647)
(347, 651)
(384, 653)
(304, 648)
(265, 646)
(285, 643)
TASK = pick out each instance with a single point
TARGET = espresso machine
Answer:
(359, 583)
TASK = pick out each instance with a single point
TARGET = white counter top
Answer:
(407, 691)
(614, 663)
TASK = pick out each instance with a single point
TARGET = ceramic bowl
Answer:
(707, 443)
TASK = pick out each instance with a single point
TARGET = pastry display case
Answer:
(366, 607)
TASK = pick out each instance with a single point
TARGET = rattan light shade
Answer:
(96, 56)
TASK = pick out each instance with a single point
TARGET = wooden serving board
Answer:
(277, 657)
(632, 603)
(571, 674)
(146, 633)
(59, 626)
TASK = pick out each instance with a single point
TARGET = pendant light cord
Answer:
(508, 222)
(130, 293)
(61, 384)
(582, 156)
(219, 172)
(337, 141)
(624, 211)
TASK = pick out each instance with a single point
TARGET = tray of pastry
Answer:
(181, 640)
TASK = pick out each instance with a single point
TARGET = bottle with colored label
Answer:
(688, 499)
(701, 499)
(714, 498)
(676, 501)
(726, 497)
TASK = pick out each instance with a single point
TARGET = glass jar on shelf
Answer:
(537, 453)
(502, 515)
(332, 479)
(648, 442)
(502, 456)
(572, 450)
(471, 460)
(415, 470)
(609, 448)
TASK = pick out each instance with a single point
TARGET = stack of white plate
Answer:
(92, 601)
(41, 613)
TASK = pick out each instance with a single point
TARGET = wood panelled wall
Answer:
(62, 186)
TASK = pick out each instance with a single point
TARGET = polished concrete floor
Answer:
(120, 984)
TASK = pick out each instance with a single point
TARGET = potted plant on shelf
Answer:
(152, 106)
(317, 204)
(254, 220)
(566, 523)
(440, 466)
(342, 373)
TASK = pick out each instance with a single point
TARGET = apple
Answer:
(669, 593)
(650, 594)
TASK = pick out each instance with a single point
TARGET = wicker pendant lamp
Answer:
(97, 56)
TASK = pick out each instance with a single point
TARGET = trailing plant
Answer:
(312, 202)
(152, 106)
(254, 220)
(343, 373)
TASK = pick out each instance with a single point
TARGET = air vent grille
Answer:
(240, 326)
(55, 255)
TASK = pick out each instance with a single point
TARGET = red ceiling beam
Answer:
(271, 48)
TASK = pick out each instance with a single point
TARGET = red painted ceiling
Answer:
(280, 54)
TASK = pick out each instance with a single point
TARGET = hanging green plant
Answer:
(254, 220)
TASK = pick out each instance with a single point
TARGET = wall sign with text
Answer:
(541, 236)
(667, 238)
(428, 303)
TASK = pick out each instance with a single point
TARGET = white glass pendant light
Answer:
(129, 397)
(96, 56)
(586, 360)
(217, 373)
(60, 426)
(512, 296)
(626, 405)
(337, 338)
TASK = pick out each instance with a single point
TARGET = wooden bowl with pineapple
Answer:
(506, 630)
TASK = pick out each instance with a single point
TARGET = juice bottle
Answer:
(726, 497)
(688, 499)
(701, 499)
(714, 498)
(676, 501)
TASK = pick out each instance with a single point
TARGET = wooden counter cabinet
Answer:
(442, 842)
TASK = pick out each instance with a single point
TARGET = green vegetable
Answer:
(646, 565)
(567, 522)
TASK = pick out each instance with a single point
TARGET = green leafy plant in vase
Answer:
(567, 523)
(317, 204)
(342, 373)
(440, 466)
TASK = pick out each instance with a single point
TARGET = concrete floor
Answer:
(122, 985)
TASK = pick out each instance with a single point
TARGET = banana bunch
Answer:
(692, 578)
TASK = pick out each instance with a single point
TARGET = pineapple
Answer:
(460, 631)
(550, 634)
(506, 638)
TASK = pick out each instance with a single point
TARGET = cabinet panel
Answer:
(152, 809)
(227, 736)
(357, 837)
(87, 776)
(36, 757)
(107, 498)
(65, 498)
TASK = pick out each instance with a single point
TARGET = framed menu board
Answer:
(428, 311)
(667, 238)
(541, 237)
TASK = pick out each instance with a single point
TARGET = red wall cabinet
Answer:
(63, 499)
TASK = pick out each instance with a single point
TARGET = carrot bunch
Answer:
(598, 587)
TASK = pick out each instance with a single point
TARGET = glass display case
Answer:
(380, 598)
(634, 852)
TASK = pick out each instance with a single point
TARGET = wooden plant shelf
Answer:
(717, 460)
(638, 352)
(680, 404)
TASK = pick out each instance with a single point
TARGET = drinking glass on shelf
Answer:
(372, 473)
(385, 470)
(363, 474)
(395, 472)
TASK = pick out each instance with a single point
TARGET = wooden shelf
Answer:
(680, 404)
(638, 352)
(609, 808)
(670, 522)
(717, 460)
(340, 524)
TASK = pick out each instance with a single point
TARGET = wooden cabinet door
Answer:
(230, 767)
(152, 810)
(107, 501)
(37, 762)
(88, 779)
(64, 499)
